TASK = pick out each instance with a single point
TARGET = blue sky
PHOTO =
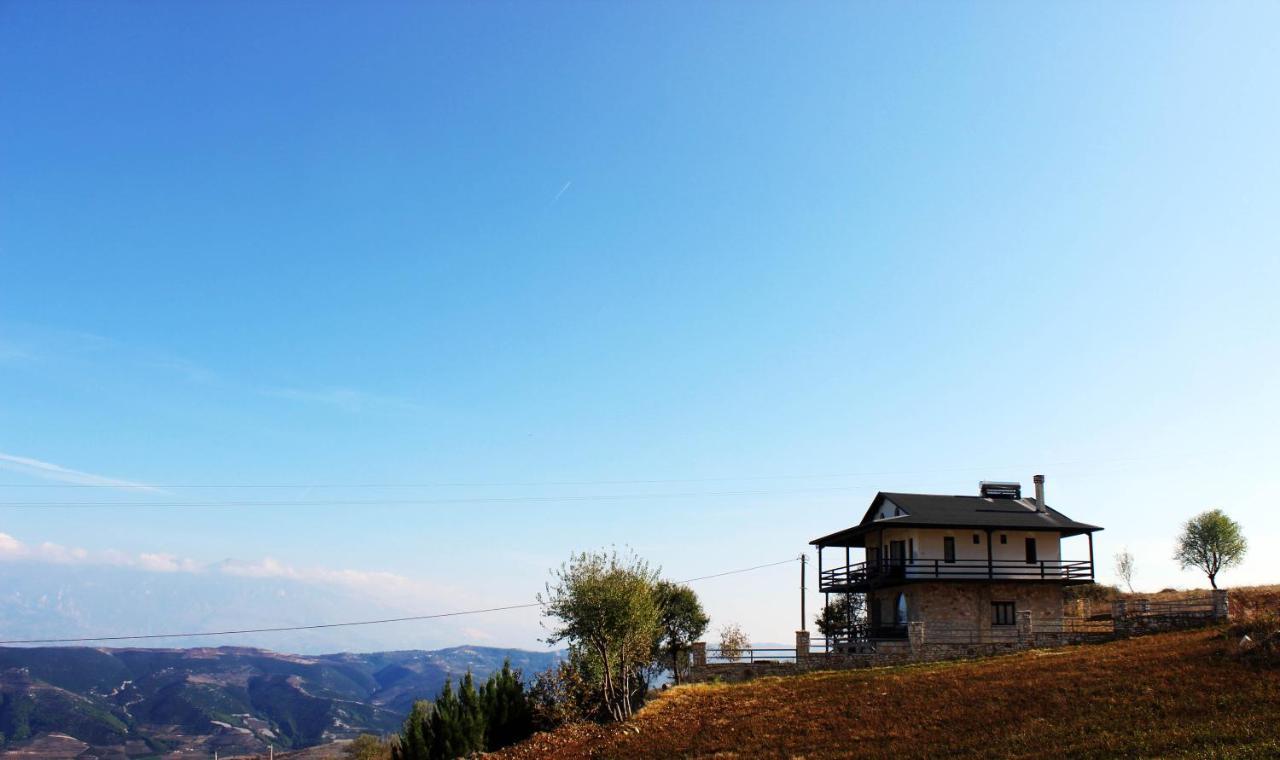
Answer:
(694, 278)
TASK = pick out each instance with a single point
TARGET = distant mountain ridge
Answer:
(123, 703)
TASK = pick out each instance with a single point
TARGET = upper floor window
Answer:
(949, 549)
(1004, 539)
(1031, 551)
(976, 540)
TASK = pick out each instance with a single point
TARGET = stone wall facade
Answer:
(967, 604)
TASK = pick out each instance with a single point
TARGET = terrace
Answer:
(865, 576)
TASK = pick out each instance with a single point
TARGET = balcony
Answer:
(865, 576)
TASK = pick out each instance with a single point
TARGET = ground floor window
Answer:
(1002, 613)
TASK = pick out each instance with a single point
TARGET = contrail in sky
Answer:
(50, 471)
(566, 187)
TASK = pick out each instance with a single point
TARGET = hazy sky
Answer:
(695, 278)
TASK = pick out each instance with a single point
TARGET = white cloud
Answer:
(9, 546)
(50, 471)
(385, 587)
(166, 563)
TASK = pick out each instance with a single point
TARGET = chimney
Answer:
(1039, 481)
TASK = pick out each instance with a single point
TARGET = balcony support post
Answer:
(1090, 535)
(991, 571)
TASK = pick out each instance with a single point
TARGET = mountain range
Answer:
(131, 703)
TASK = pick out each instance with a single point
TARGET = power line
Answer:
(409, 502)
(350, 624)
(527, 483)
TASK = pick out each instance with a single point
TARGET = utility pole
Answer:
(804, 560)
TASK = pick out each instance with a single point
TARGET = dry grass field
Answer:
(1173, 695)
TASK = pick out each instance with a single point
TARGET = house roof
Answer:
(942, 511)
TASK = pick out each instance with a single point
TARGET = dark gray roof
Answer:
(940, 511)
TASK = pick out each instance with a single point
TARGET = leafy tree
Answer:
(606, 609)
(681, 621)
(1124, 567)
(733, 642)
(1212, 542)
(508, 717)
(840, 613)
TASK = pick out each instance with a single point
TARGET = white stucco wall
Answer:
(929, 546)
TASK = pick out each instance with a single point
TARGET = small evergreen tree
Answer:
(471, 717)
(466, 721)
(416, 739)
(507, 712)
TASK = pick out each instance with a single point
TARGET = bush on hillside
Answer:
(1094, 592)
(562, 694)
(367, 747)
(1256, 639)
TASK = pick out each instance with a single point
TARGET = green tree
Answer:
(416, 739)
(457, 724)
(844, 611)
(508, 717)
(1212, 542)
(681, 621)
(606, 607)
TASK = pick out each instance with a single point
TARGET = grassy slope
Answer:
(1172, 695)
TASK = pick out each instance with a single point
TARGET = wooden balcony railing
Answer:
(866, 574)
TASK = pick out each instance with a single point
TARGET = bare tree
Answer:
(1124, 567)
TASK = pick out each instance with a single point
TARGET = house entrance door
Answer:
(897, 558)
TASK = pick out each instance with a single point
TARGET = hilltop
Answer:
(61, 701)
(1169, 695)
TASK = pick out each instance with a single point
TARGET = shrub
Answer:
(1094, 592)
(733, 642)
(367, 747)
(1256, 639)
(561, 695)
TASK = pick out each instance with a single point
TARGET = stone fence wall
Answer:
(943, 642)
